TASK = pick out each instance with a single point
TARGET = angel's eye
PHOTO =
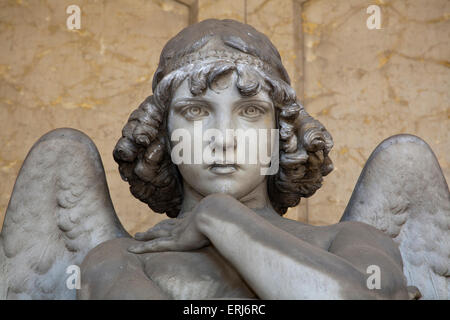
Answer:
(195, 112)
(251, 112)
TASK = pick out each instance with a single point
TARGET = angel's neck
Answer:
(257, 199)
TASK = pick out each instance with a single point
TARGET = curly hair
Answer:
(143, 151)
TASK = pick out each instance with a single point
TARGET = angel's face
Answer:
(210, 156)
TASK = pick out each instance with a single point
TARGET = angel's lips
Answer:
(222, 168)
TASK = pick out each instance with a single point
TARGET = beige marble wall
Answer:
(221, 9)
(364, 85)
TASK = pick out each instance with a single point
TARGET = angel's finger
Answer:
(162, 229)
(152, 234)
(160, 244)
(166, 223)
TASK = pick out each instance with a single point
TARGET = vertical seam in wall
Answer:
(299, 47)
(245, 11)
(193, 12)
(192, 6)
(303, 82)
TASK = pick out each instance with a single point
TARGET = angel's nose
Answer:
(225, 127)
(224, 140)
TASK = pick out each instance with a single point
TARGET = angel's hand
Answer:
(179, 234)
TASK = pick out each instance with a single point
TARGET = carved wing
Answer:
(403, 192)
(60, 209)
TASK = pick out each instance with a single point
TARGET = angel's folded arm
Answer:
(278, 265)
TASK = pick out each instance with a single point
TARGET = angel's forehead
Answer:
(224, 86)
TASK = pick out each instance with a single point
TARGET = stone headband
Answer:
(220, 55)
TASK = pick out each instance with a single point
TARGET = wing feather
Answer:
(403, 192)
(60, 209)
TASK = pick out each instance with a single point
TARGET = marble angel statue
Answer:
(226, 236)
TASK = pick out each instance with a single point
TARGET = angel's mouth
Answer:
(221, 168)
